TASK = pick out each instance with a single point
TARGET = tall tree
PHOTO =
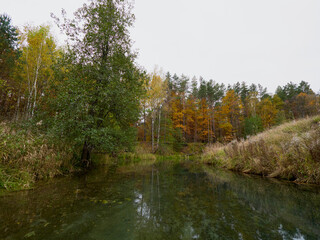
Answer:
(156, 94)
(99, 98)
(230, 116)
(38, 56)
(267, 111)
(8, 57)
(8, 45)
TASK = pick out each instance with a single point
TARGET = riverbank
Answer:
(28, 156)
(290, 151)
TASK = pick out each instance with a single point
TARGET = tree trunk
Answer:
(144, 123)
(159, 125)
(152, 131)
(36, 80)
(85, 156)
(213, 128)
(208, 128)
(17, 107)
(195, 138)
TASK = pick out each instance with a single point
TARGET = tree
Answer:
(8, 46)
(251, 103)
(252, 125)
(8, 56)
(156, 93)
(215, 93)
(278, 104)
(268, 112)
(39, 53)
(229, 116)
(203, 121)
(99, 93)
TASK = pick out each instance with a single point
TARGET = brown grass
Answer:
(26, 157)
(290, 151)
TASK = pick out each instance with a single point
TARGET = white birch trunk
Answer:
(36, 80)
(152, 131)
(159, 125)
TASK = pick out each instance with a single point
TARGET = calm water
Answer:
(164, 201)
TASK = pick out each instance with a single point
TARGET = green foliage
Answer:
(98, 86)
(252, 125)
(14, 179)
(178, 142)
(8, 45)
(194, 148)
(280, 118)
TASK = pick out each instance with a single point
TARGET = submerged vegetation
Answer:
(290, 151)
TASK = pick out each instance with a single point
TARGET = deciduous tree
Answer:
(98, 103)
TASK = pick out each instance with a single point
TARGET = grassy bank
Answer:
(27, 156)
(290, 151)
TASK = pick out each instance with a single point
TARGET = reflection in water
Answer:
(162, 202)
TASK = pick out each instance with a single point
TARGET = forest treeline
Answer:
(179, 110)
(91, 93)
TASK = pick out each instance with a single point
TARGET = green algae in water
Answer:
(175, 201)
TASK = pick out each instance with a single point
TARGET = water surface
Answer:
(163, 201)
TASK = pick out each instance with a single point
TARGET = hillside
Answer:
(290, 151)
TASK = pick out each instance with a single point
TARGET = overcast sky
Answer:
(270, 42)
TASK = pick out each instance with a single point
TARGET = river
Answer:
(162, 201)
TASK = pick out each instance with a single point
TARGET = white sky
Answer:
(270, 42)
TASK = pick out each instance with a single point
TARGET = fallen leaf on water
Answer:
(30, 234)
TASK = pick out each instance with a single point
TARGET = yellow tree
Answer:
(229, 116)
(38, 55)
(304, 104)
(191, 113)
(177, 112)
(267, 111)
(203, 121)
(156, 94)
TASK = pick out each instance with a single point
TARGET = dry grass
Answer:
(26, 157)
(290, 151)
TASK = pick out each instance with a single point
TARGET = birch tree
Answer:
(156, 96)
(38, 55)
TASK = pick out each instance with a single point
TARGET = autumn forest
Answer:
(105, 149)
(90, 97)
(174, 110)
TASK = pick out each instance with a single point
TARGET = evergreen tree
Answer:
(8, 46)
(8, 57)
(252, 125)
